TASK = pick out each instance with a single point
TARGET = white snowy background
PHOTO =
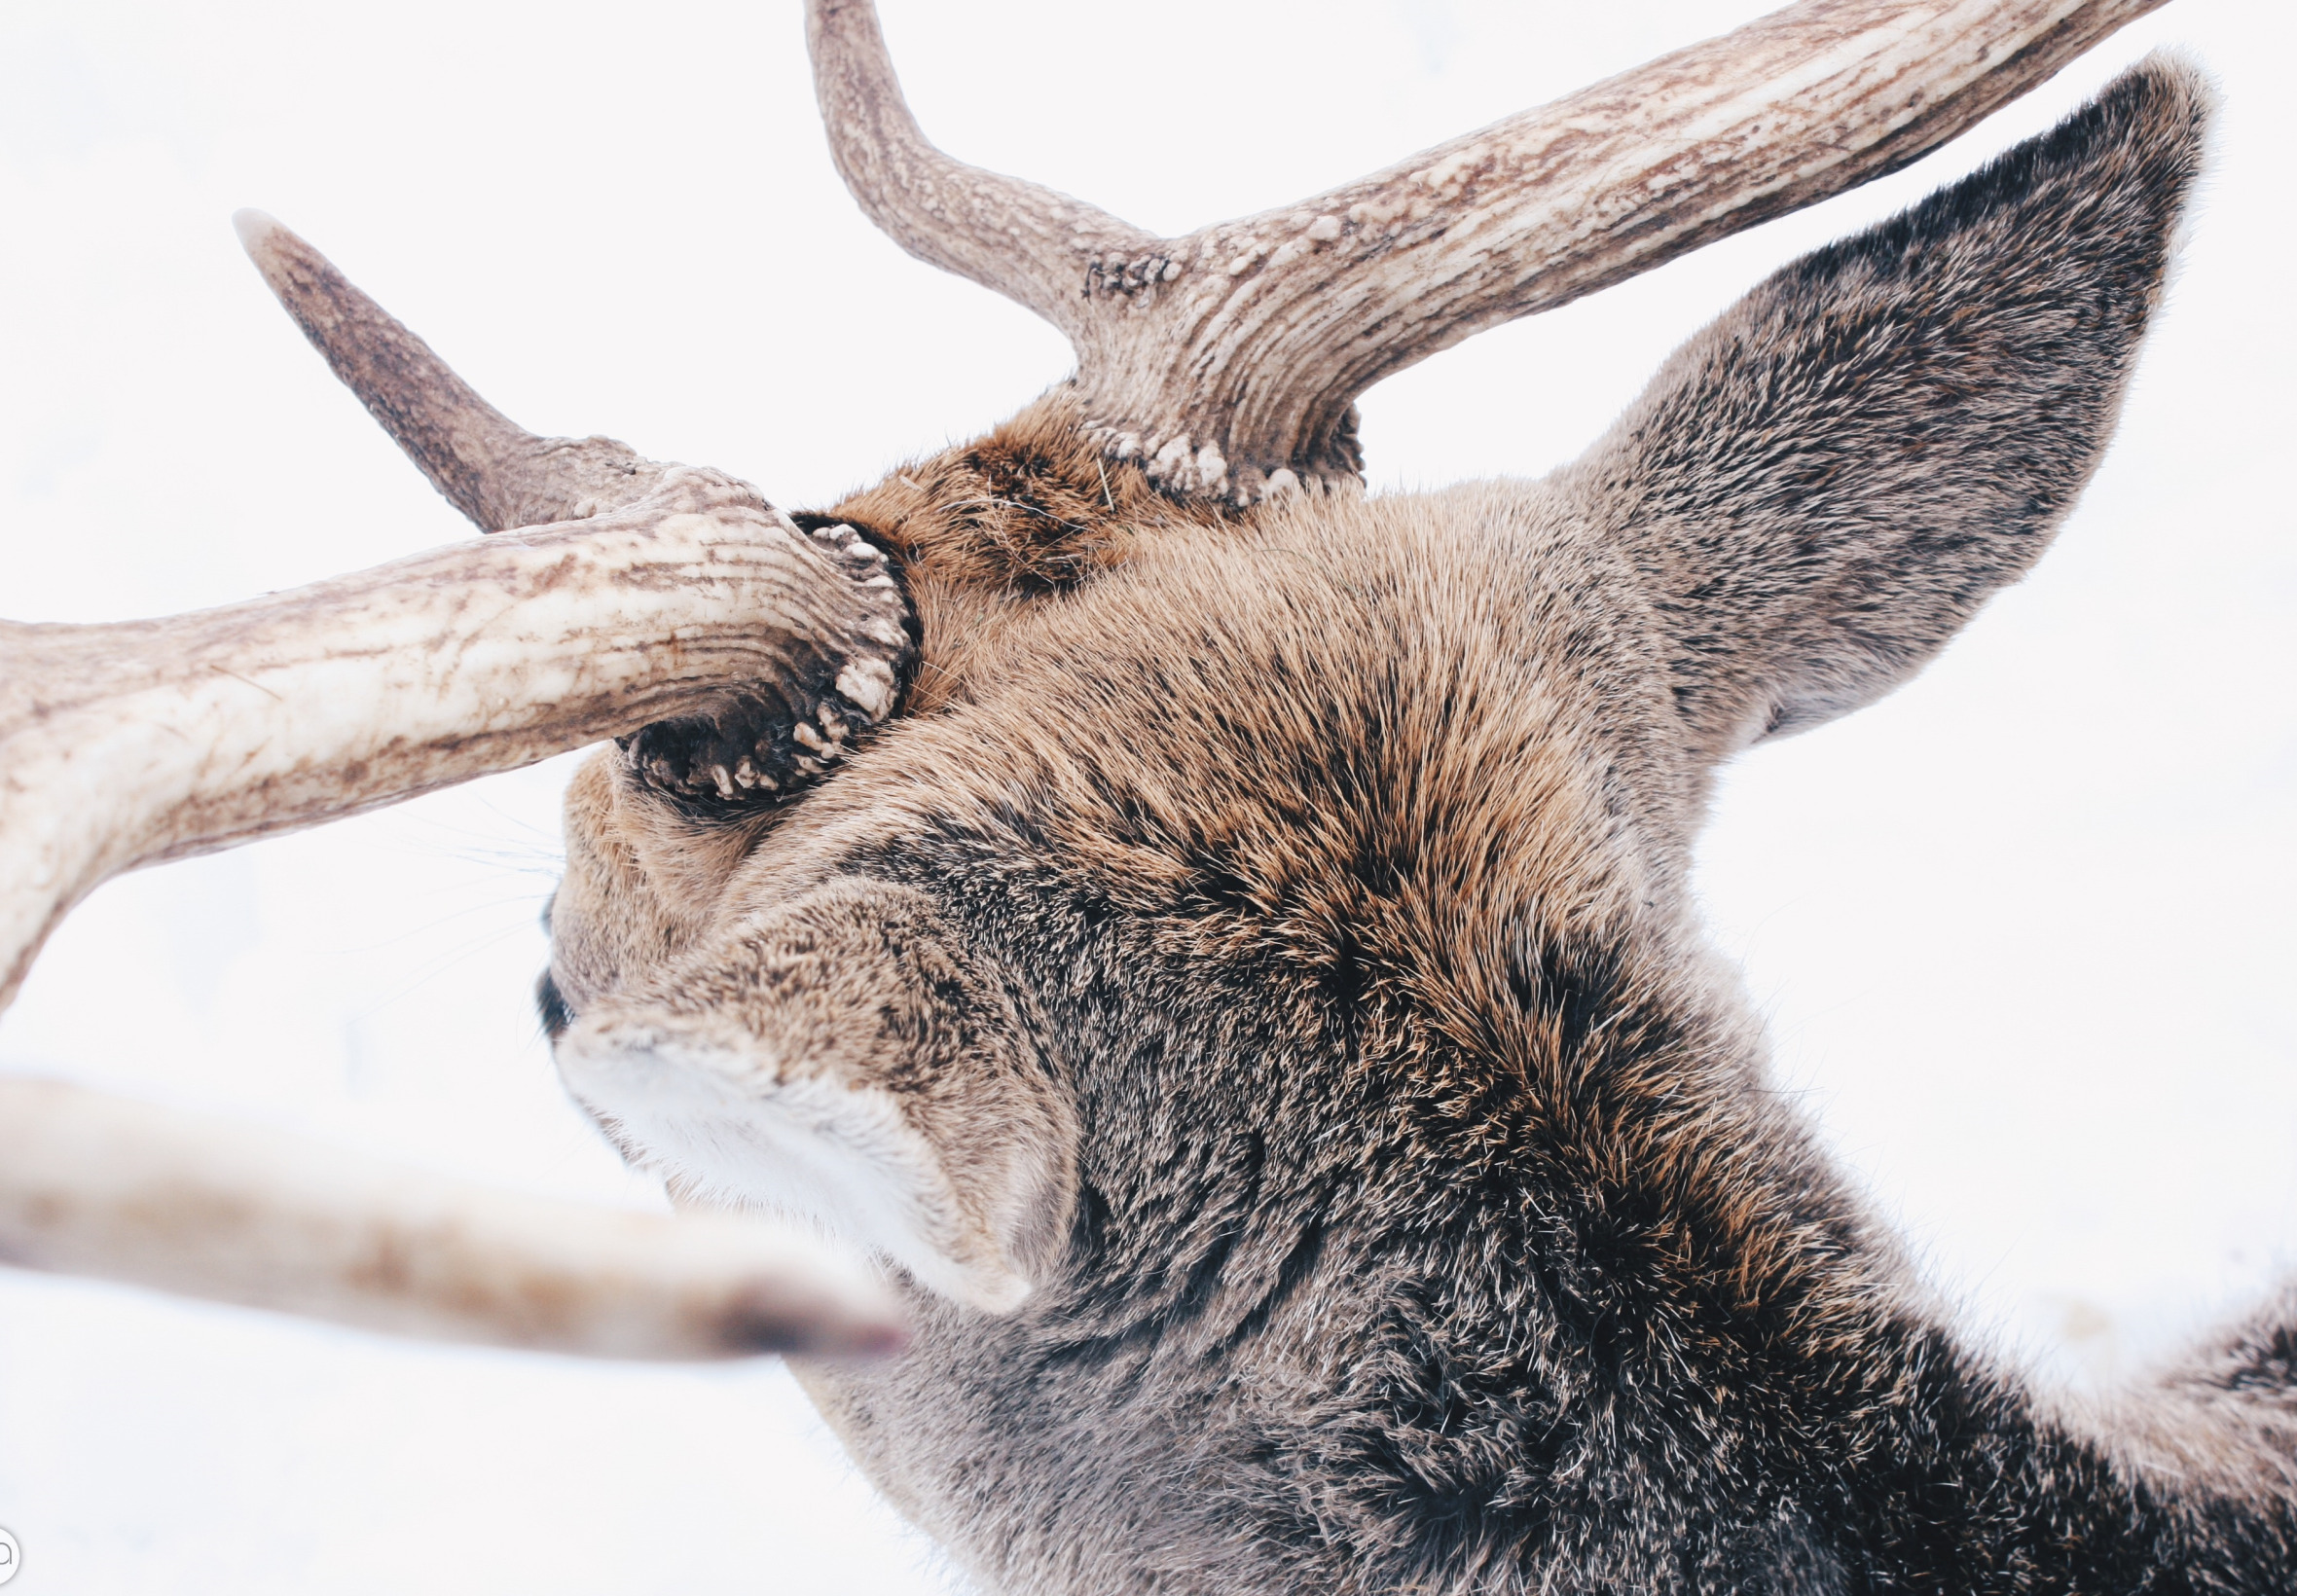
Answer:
(2022, 932)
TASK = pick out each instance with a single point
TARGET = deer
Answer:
(1220, 939)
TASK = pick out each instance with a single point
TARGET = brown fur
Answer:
(1334, 1162)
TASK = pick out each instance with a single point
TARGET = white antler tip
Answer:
(253, 227)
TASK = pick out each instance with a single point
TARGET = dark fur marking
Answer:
(552, 1008)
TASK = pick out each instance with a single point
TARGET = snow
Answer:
(2021, 932)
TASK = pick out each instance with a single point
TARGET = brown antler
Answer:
(132, 743)
(742, 745)
(487, 466)
(1228, 361)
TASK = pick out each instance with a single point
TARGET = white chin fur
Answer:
(726, 1123)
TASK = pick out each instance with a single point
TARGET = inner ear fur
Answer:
(842, 1056)
(1822, 487)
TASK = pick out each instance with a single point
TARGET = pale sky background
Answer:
(2022, 932)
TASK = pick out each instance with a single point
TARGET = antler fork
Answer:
(1229, 360)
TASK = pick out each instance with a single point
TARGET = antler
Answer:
(1228, 361)
(679, 606)
(778, 725)
(132, 743)
(91, 1184)
(487, 466)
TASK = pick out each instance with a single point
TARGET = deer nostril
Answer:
(551, 1004)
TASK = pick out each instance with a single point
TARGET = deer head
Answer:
(1251, 994)
(1246, 986)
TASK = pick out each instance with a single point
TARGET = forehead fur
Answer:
(1299, 714)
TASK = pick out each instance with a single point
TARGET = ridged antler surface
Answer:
(1229, 360)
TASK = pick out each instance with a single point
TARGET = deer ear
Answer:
(844, 1059)
(1826, 483)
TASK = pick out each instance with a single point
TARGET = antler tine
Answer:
(1029, 243)
(1230, 361)
(487, 466)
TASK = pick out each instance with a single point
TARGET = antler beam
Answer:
(1228, 361)
(91, 1184)
(136, 741)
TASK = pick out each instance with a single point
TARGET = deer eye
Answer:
(551, 1004)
